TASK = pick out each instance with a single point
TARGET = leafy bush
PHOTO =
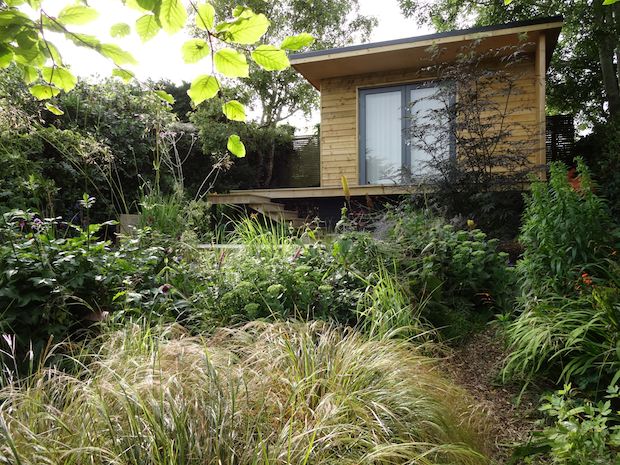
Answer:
(566, 232)
(568, 325)
(279, 393)
(460, 273)
(581, 432)
(55, 275)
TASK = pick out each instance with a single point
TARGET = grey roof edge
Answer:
(438, 35)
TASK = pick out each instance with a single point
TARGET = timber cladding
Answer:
(340, 115)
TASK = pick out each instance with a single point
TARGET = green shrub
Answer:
(264, 394)
(566, 232)
(460, 273)
(578, 432)
(568, 325)
(55, 275)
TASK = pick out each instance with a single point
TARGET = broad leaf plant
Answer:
(229, 43)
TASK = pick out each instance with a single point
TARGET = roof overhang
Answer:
(412, 52)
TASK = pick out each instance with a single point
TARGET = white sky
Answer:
(160, 58)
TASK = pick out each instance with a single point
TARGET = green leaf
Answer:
(44, 91)
(507, 2)
(60, 77)
(123, 74)
(10, 17)
(143, 5)
(172, 15)
(234, 110)
(6, 56)
(235, 146)
(205, 17)
(606, 2)
(231, 63)
(248, 30)
(34, 56)
(203, 87)
(119, 56)
(120, 30)
(165, 96)
(195, 50)
(84, 40)
(54, 109)
(297, 42)
(147, 27)
(270, 58)
(50, 51)
(77, 14)
(29, 73)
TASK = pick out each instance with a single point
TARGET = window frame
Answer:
(405, 91)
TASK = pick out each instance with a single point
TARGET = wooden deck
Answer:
(253, 196)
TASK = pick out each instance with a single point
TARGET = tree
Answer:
(583, 78)
(25, 42)
(333, 23)
(466, 139)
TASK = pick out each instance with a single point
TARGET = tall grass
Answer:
(385, 310)
(262, 236)
(283, 393)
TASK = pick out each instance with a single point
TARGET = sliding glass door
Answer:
(386, 156)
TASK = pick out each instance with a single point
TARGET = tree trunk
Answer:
(607, 39)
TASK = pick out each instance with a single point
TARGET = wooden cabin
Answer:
(367, 90)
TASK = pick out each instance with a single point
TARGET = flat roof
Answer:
(350, 60)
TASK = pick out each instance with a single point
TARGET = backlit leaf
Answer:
(270, 58)
(165, 96)
(54, 109)
(205, 18)
(248, 30)
(234, 110)
(83, 40)
(195, 50)
(29, 73)
(231, 63)
(297, 42)
(119, 56)
(147, 27)
(44, 91)
(203, 87)
(77, 14)
(60, 77)
(120, 30)
(235, 146)
(123, 74)
(172, 15)
(6, 56)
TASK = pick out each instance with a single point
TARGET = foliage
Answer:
(601, 151)
(570, 338)
(580, 66)
(265, 146)
(581, 432)
(331, 23)
(459, 274)
(568, 325)
(55, 276)
(230, 41)
(475, 112)
(566, 232)
(279, 393)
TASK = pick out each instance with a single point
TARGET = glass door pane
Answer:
(431, 142)
(383, 136)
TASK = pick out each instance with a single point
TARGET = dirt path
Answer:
(476, 365)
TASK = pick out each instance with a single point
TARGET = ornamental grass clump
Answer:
(286, 393)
